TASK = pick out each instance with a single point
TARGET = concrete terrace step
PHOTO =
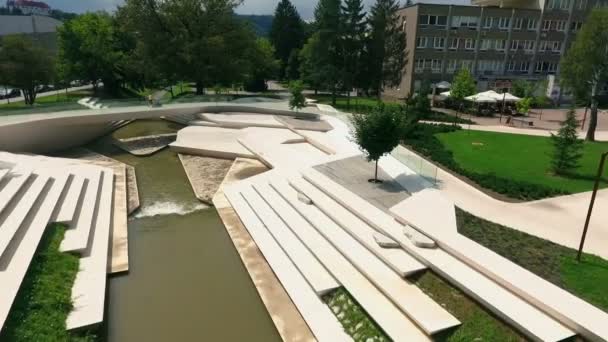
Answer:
(514, 310)
(298, 217)
(13, 269)
(76, 238)
(582, 317)
(89, 289)
(26, 205)
(71, 199)
(3, 173)
(420, 308)
(11, 188)
(314, 272)
(317, 315)
(397, 259)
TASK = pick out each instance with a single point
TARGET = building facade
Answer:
(498, 41)
(29, 7)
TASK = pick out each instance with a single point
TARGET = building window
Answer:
(518, 23)
(529, 46)
(452, 65)
(542, 45)
(565, 4)
(582, 4)
(435, 20)
(464, 21)
(486, 44)
(438, 42)
(514, 44)
(575, 26)
(551, 4)
(503, 23)
(424, 20)
(556, 46)
(532, 25)
(501, 44)
(436, 65)
(546, 25)
(421, 42)
(560, 25)
(487, 22)
(454, 42)
(469, 44)
(524, 66)
(419, 66)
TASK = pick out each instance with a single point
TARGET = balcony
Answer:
(525, 4)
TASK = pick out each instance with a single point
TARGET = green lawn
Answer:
(552, 262)
(44, 299)
(520, 158)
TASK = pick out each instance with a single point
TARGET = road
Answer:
(48, 93)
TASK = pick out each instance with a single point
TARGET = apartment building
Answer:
(499, 41)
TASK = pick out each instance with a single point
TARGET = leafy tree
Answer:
(567, 146)
(309, 72)
(326, 57)
(293, 66)
(297, 100)
(201, 41)
(25, 65)
(524, 105)
(378, 133)
(462, 86)
(286, 33)
(353, 40)
(387, 45)
(584, 69)
(89, 50)
(266, 66)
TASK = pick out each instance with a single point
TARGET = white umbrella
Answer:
(443, 85)
(446, 94)
(491, 93)
(511, 98)
(479, 98)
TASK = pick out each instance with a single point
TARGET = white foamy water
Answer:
(168, 208)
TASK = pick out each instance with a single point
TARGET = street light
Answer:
(595, 188)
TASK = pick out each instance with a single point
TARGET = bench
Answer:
(522, 121)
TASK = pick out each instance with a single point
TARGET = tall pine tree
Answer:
(286, 33)
(353, 35)
(328, 55)
(386, 45)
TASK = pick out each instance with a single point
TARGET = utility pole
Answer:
(600, 171)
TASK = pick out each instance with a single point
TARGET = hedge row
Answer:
(431, 116)
(423, 140)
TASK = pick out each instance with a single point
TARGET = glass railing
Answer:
(416, 163)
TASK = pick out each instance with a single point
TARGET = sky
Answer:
(305, 7)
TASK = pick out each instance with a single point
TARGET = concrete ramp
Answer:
(429, 211)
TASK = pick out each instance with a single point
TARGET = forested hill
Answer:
(261, 23)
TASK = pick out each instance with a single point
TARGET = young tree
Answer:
(286, 33)
(524, 105)
(25, 65)
(378, 133)
(462, 86)
(297, 100)
(584, 69)
(387, 45)
(567, 146)
(327, 56)
(353, 35)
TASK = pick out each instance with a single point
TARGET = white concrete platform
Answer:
(241, 120)
(297, 215)
(25, 245)
(211, 142)
(318, 316)
(70, 201)
(312, 270)
(77, 237)
(524, 316)
(89, 289)
(28, 203)
(397, 259)
(572, 311)
(14, 182)
(420, 308)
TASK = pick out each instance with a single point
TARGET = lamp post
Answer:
(595, 188)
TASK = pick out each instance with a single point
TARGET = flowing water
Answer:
(186, 280)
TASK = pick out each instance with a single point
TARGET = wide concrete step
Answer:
(89, 289)
(528, 319)
(3, 172)
(77, 237)
(397, 259)
(312, 270)
(26, 205)
(70, 200)
(317, 315)
(300, 218)
(12, 186)
(420, 308)
(577, 314)
(22, 250)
